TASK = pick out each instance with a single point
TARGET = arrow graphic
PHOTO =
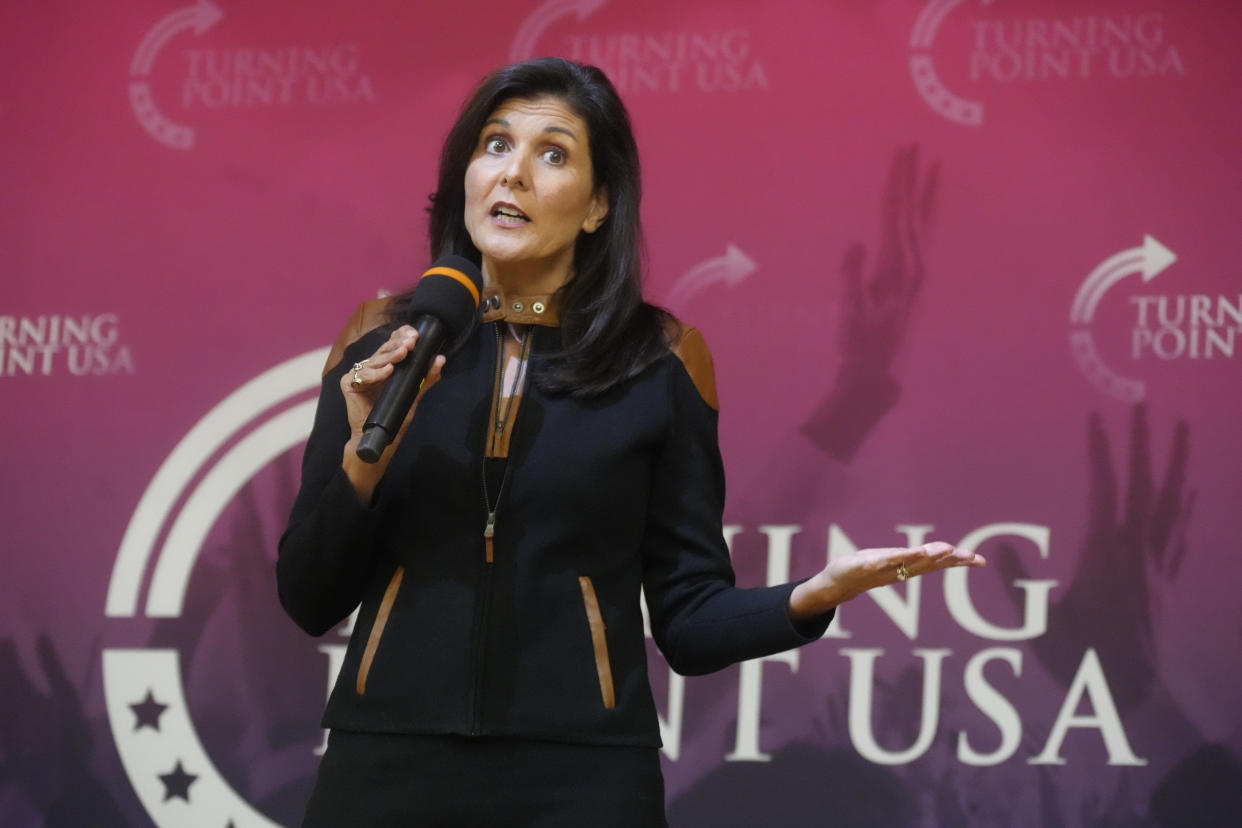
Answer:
(923, 71)
(543, 17)
(1149, 260)
(731, 268)
(1082, 344)
(932, 90)
(933, 14)
(199, 17)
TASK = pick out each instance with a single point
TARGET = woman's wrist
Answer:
(814, 597)
(362, 475)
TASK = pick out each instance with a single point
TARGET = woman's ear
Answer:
(599, 210)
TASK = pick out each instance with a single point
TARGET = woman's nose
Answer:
(514, 176)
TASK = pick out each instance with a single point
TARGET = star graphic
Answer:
(148, 712)
(177, 783)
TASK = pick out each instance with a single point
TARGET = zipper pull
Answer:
(489, 531)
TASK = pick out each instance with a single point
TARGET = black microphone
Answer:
(442, 306)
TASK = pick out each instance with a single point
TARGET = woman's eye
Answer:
(496, 145)
(554, 156)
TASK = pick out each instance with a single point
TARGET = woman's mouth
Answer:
(508, 214)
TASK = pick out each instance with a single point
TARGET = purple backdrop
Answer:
(968, 271)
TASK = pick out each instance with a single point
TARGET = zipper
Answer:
(482, 612)
(483, 608)
(489, 527)
(489, 532)
(497, 390)
(501, 418)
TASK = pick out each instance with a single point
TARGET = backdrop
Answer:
(969, 272)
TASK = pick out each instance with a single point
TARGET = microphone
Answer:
(442, 306)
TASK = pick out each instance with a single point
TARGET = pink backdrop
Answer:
(968, 270)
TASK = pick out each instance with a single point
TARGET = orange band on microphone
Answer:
(459, 276)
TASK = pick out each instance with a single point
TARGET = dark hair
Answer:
(608, 334)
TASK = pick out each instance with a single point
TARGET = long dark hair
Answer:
(608, 334)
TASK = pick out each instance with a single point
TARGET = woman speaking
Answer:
(557, 468)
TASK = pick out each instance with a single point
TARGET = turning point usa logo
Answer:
(45, 345)
(718, 59)
(237, 78)
(1008, 45)
(1162, 327)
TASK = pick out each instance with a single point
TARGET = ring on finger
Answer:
(902, 574)
(358, 366)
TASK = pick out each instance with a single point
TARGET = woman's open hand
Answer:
(844, 578)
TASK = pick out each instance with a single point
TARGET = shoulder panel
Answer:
(367, 317)
(688, 345)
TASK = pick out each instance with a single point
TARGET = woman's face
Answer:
(530, 191)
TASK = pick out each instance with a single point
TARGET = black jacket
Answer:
(546, 640)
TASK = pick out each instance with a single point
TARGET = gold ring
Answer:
(902, 574)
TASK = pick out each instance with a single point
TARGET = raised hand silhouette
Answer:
(1126, 563)
(877, 311)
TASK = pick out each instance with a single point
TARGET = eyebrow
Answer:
(560, 129)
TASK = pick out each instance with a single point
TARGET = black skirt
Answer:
(376, 780)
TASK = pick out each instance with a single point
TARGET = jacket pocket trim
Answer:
(377, 629)
(599, 642)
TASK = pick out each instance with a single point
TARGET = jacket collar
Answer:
(520, 309)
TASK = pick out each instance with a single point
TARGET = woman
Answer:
(563, 458)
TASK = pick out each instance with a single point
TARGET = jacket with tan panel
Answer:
(534, 631)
